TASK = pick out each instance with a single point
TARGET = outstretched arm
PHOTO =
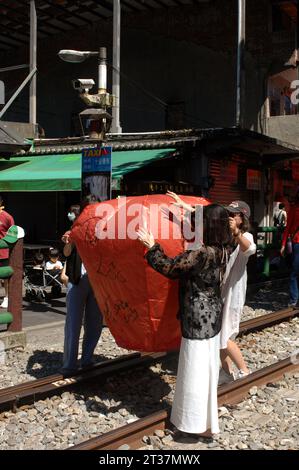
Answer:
(179, 202)
(171, 267)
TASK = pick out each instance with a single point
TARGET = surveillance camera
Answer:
(83, 84)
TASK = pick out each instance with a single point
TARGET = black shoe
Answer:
(68, 372)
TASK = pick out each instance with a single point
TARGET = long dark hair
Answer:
(245, 225)
(216, 231)
(75, 208)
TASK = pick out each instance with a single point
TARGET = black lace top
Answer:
(199, 273)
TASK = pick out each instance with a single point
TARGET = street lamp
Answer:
(76, 57)
(69, 55)
(102, 99)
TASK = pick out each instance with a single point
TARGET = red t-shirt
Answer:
(292, 228)
(6, 221)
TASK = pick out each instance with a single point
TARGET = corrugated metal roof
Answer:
(10, 142)
(266, 149)
(60, 16)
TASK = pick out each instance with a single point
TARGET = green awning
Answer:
(63, 172)
(126, 162)
(41, 173)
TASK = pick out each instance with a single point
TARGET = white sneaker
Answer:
(241, 374)
(4, 303)
(225, 377)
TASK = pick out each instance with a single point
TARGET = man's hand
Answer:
(282, 250)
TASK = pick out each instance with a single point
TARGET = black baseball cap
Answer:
(239, 206)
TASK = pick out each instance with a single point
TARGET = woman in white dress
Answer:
(234, 286)
(234, 290)
(200, 273)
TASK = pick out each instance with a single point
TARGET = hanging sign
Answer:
(96, 172)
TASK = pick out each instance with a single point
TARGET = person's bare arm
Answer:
(242, 241)
(68, 247)
(238, 236)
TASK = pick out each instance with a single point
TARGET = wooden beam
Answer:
(9, 31)
(3, 36)
(13, 20)
(48, 20)
(70, 13)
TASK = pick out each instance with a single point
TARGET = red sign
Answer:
(254, 180)
(230, 172)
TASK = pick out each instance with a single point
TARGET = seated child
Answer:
(38, 261)
(54, 263)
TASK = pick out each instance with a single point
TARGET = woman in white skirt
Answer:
(234, 291)
(233, 288)
(200, 273)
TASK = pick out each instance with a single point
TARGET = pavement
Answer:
(43, 313)
(36, 314)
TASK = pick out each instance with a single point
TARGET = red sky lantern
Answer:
(140, 305)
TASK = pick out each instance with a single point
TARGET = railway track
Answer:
(265, 321)
(131, 434)
(29, 392)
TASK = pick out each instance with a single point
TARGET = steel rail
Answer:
(131, 434)
(29, 392)
(267, 320)
(234, 392)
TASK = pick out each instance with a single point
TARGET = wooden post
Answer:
(15, 286)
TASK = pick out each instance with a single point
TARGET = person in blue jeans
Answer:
(81, 306)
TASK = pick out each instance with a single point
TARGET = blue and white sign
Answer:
(96, 172)
(97, 160)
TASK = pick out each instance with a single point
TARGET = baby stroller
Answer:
(36, 282)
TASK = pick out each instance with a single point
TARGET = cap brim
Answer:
(10, 239)
(232, 209)
(14, 235)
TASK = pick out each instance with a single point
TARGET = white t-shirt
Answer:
(50, 265)
(234, 290)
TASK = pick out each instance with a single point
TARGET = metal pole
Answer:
(33, 48)
(240, 61)
(14, 67)
(102, 70)
(27, 79)
(116, 65)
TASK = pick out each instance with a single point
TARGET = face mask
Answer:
(71, 216)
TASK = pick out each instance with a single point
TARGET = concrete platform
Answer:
(9, 340)
(43, 313)
(35, 316)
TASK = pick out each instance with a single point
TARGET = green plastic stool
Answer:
(5, 317)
